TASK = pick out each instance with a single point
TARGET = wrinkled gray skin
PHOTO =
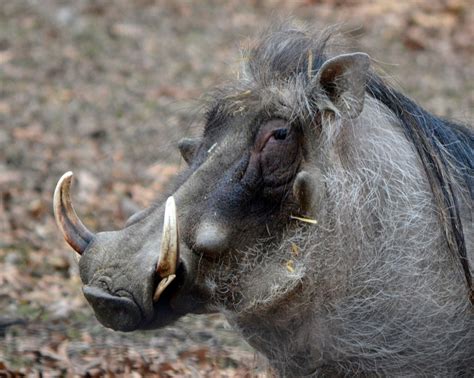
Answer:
(370, 289)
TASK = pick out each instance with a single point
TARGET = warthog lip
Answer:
(117, 312)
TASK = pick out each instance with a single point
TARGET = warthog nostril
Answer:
(211, 239)
(118, 313)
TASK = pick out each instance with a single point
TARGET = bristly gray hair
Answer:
(400, 205)
(276, 77)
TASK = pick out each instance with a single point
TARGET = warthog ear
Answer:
(187, 147)
(343, 79)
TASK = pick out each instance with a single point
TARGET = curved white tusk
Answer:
(163, 284)
(169, 252)
(73, 230)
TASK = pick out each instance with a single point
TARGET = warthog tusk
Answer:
(73, 230)
(163, 285)
(169, 252)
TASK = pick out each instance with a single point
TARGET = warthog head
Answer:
(236, 196)
(317, 212)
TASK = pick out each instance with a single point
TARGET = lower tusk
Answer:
(163, 285)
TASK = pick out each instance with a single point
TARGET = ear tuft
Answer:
(343, 80)
(187, 147)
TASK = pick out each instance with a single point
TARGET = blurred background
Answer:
(106, 89)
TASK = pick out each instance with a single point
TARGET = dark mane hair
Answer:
(446, 150)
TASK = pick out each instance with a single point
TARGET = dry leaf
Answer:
(290, 265)
(295, 251)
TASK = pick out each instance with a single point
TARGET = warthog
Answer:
(325, 214)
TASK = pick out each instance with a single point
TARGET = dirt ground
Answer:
(106, 89)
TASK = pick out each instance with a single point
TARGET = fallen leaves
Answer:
(61, 353)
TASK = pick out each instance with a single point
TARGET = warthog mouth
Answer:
(119, 312)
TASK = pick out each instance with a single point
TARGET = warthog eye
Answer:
(271, 131)
(275, 157)
(280, 134)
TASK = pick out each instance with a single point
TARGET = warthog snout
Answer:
(118, 312)
(121, 298)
